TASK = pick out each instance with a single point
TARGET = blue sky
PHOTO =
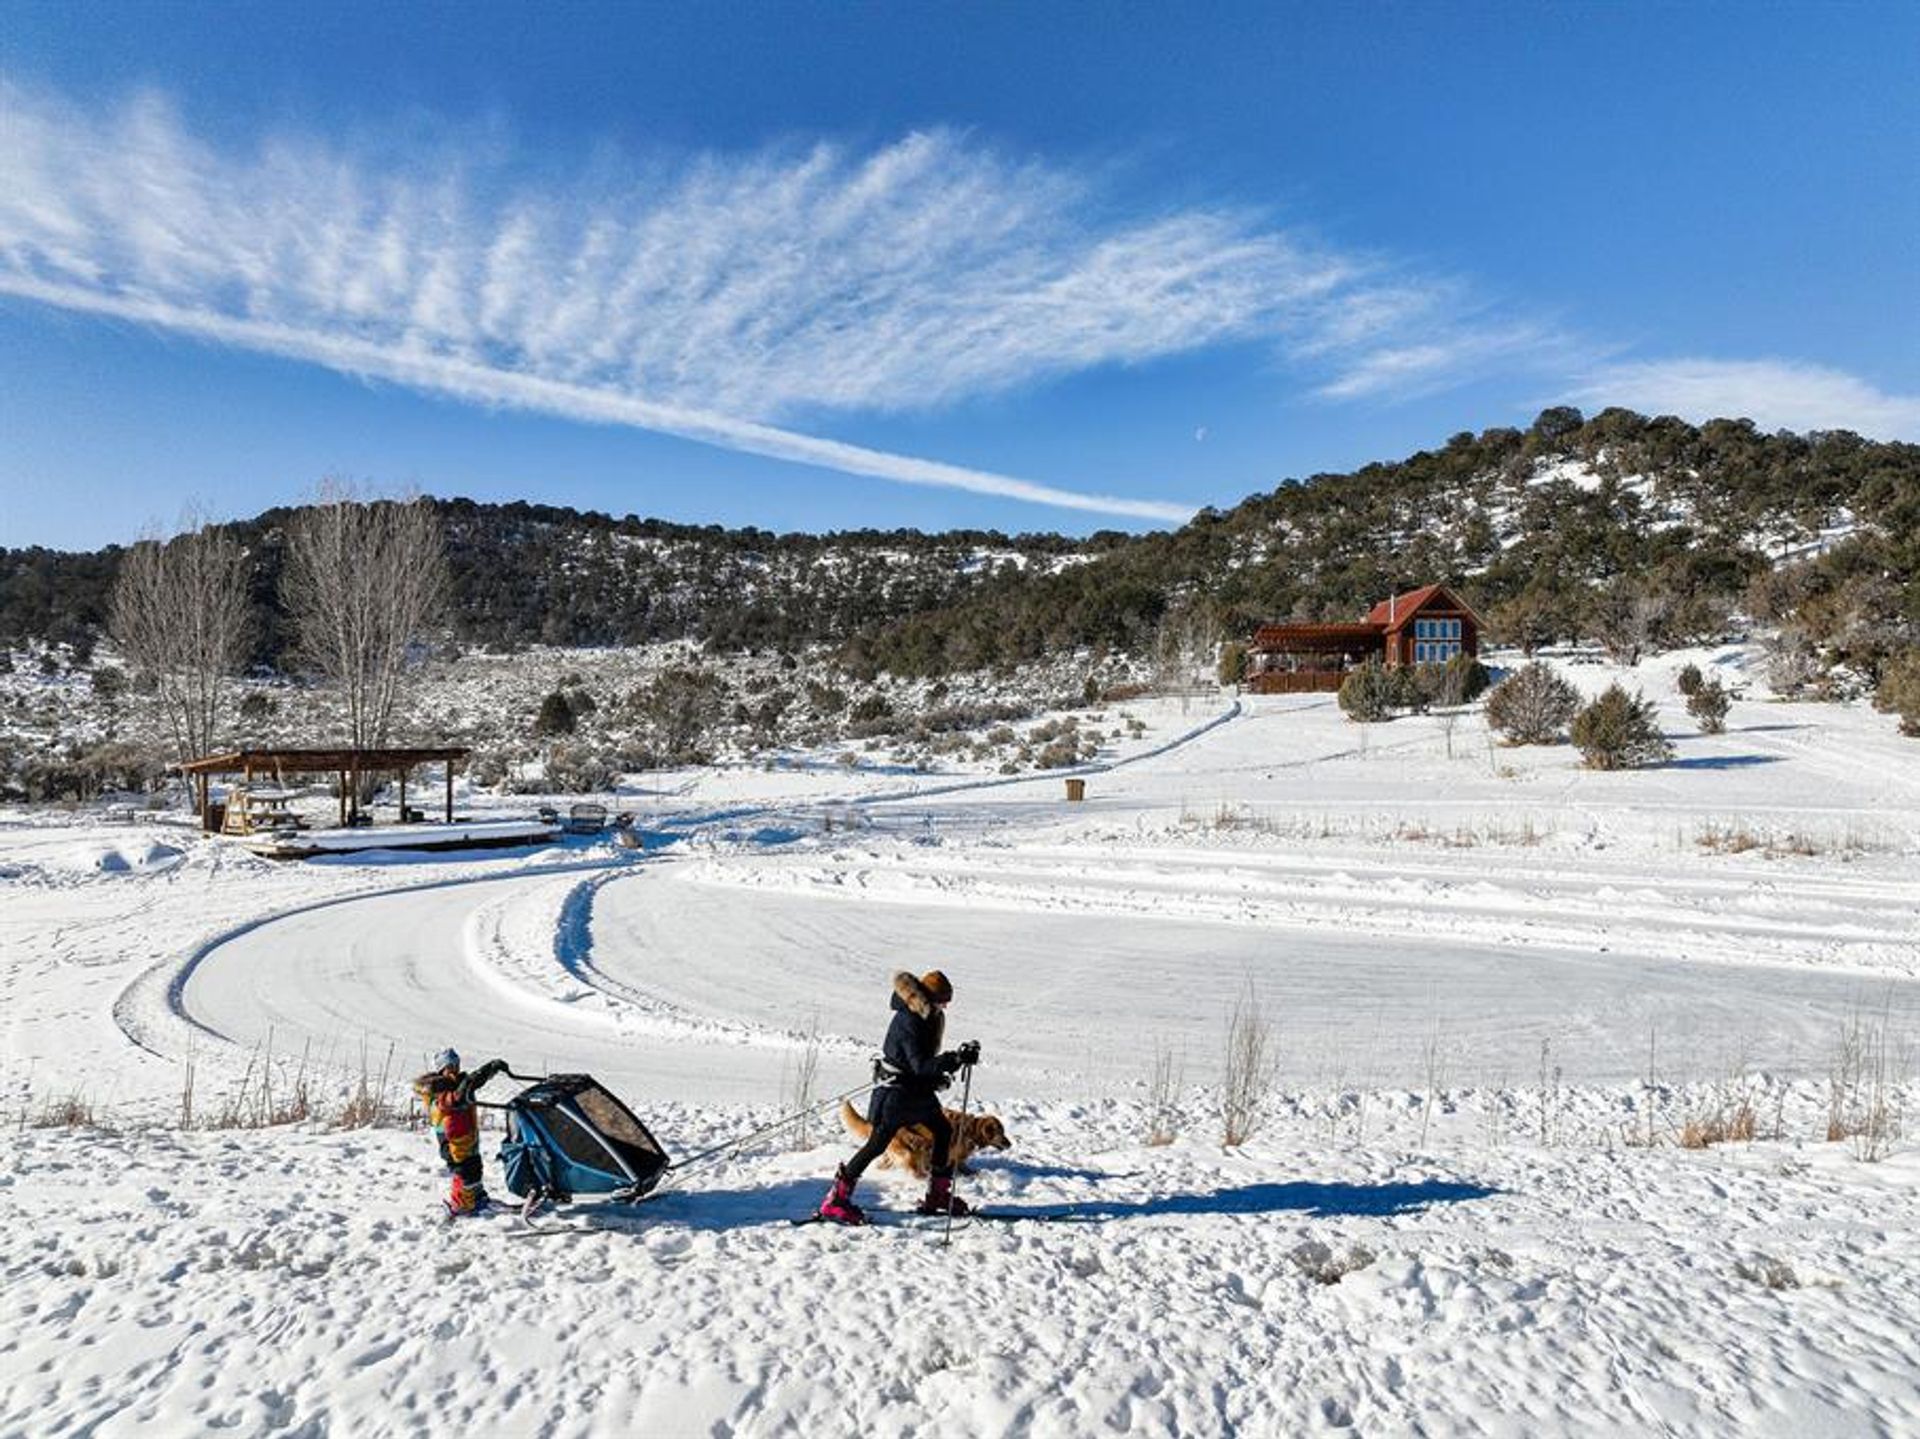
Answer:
(1021, 267)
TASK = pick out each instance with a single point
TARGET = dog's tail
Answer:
(856, 1122)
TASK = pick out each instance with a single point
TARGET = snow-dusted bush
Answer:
(489, 768)
(579, 769)
(1369, 693)
(1058, 754)
(1708, 703)
(1689, 680)
(1620, 731)
(556, 715)
(1463, 679)
(109, 683)
(1792, 665)
(681, 705)
(1418, 687)
(1533, 705)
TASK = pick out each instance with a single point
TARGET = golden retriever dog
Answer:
(912, 1147)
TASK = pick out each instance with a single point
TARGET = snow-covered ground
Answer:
(1499, 988)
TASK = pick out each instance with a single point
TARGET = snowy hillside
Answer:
(1503, 995)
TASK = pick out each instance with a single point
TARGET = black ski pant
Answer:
(891, 1110)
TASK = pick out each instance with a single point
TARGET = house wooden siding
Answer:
(1425, 626)
(1428, 626)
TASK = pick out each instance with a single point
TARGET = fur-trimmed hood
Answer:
(913, 996)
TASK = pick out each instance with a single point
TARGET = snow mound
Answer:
(151, 859)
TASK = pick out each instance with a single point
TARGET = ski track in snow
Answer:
(1502, 1264)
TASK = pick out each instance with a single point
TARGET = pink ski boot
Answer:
(940, 1198)
(838, 1207)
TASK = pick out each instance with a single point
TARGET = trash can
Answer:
(1076, 790)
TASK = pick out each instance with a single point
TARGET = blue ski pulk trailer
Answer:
(567, 1134)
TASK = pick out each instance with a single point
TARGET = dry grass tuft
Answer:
(1247, 1075)
(1741, 837)
(1720, 1126)
(1163, 1096)
(72, 1111)
(1863, 1085)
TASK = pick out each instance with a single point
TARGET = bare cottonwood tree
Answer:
(1183, 649)
(363, 581)
(178, 613)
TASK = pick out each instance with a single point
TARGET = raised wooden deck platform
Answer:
(475, 834)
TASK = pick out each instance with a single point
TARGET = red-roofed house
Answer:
(1429, 625)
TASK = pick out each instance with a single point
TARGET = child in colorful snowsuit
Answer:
(447, 1095)
(916, 1071)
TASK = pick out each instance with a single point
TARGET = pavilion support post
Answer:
(403, 796)
(343, 799)
(449, 791)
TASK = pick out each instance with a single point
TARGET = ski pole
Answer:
(780, 1123)
(966, 1102)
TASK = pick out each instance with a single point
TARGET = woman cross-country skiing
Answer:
(915, 1071)
(448, 1097)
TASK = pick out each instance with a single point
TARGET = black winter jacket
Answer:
(912, 1048)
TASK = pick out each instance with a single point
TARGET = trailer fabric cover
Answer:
(568, 1135)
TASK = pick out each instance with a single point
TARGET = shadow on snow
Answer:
(723, 1209)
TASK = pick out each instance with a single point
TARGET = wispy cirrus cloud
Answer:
(1775, 394)
(721, 298)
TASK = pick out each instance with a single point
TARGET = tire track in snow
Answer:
(157, 995)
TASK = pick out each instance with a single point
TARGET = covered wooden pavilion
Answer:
(1309, 658)
(350, 766)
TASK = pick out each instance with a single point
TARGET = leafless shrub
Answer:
(1433, 1061)
(1163, 1095)
(800, 1090)
(186, 1090)
(1549, 1094)
(255, 1104)
(178, 613)
(369, 1104)
(1247, 1075)
(1863, 1104)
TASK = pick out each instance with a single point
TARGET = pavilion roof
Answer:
(315, 761)
(1316, 637)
